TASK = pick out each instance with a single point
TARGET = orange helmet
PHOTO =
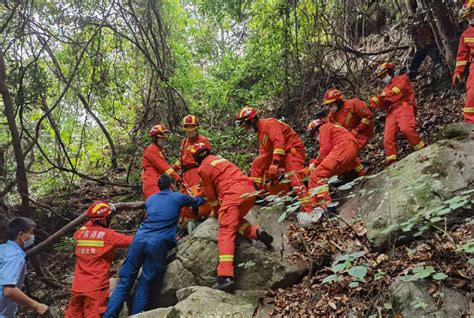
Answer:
(382, 69)
(467, 8)
(332, 95)
(99, 210)
(314, 125)
(244, 115)
(159, 131)
(200, 151)
(190, 123)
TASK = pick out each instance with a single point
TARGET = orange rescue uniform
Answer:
(279, 142)
(154, 165)
(191, 180)
(186, 161)
(464, 57)
(224, 184)
(398, 100)
(356, 116)
(338, 149)
(95, 251)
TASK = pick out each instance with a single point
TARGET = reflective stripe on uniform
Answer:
(469, 40)
(376, 100)
(322, 189)
(469, 109)
(177, 164)
(349, 117)
(279, 151)
(264, 140)
(359, 168)
(243, 227)
(214, 203)
(215, 162)
(391, 157)
(396, 90)
(365, 121)
(304, 200)
(461, 63)
(421, 145)
(94, 243)
(257, 179)
(226, 258)
(169, 171)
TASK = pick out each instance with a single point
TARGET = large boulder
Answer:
(413, 299)
(416, 186)
(198, 301)
(256, 267)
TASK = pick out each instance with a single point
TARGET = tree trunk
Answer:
(445, 28)
(21, 179)
(411, 7)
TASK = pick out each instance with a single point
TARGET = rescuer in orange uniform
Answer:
(189, 168)
(338, 150)
(465, 56)
(186, 161)
(280, 147)
(352, 114)
(95, 250)
(398, 100)
(224, 185)
(154, 163)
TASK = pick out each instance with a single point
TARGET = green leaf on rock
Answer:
(440, 276)
(358, 272)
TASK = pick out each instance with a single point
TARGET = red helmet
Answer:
(99, 210)
(314, 126)
(332, 95)
(200, 151)
(190, 123)
(159, 131)
(382, 69)
(467, 8)
(244, 115)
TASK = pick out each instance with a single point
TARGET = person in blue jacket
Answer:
(155, 237)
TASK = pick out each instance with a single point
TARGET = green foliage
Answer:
(342, 265)
(66, 245)
(420, 223)
(422, 272)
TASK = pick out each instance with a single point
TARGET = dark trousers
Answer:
(150, 252)
(420, 55)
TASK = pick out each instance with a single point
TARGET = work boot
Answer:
(265, 238)
(224, 283)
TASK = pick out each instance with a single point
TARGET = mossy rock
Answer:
(456, 131)
(412, 188)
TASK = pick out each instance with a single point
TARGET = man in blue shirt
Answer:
(19, 236)
(155, 237)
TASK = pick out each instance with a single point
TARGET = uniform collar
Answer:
(16, 247)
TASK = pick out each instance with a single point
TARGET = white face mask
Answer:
(191, 134)
(387, 79)
(29, 241)
(333, 108)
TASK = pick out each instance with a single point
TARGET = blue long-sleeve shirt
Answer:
(163, 210)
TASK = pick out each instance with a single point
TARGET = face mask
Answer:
(29, 241)
(333, 109)
(161, 142)
(191, 134)
(387, 79)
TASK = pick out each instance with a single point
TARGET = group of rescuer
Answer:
(214, 186)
